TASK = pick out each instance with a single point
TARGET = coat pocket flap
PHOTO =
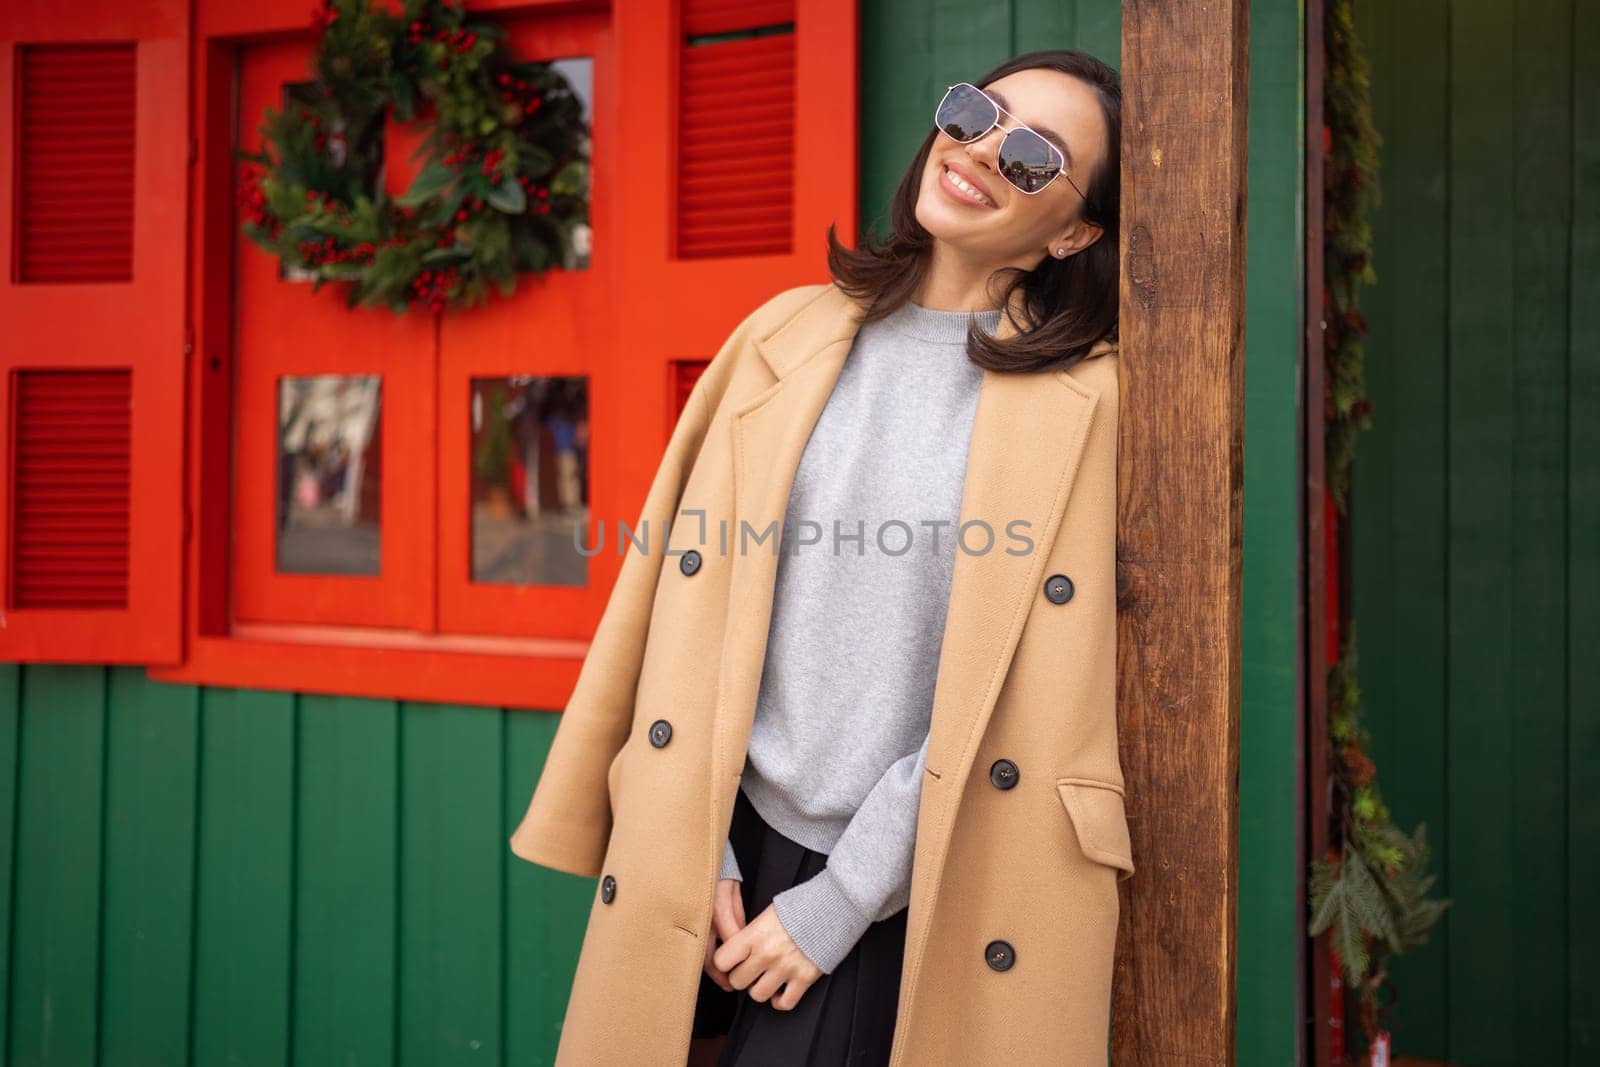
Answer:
(1100, 821)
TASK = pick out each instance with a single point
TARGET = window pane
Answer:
(530, 479)
(330, 474)
(578, 73)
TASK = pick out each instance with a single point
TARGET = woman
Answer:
(875, 674)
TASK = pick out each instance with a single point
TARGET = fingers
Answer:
(793, 990)
(762, 958)
(767, 984)
(711, 968)
(732, 955)
(728, 914)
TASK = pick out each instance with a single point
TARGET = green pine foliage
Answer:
(1372, 894)
(504, 181)
(1350, 191)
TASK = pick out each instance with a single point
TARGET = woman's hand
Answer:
(727, 919)
(762, 957)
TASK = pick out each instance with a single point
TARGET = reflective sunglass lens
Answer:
(1027, 160)
(966, 114)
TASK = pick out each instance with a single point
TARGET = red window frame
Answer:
(505, 646)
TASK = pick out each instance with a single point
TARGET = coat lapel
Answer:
(1028, 435)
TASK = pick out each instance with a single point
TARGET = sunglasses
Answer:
(1027, 160)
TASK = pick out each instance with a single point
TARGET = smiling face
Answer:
(992, 223)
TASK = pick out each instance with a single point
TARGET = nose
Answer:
(986, 149)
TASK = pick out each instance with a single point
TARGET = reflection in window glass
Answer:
(530, 479)
(330, 473)
(579, 75)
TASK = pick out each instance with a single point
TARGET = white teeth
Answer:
(967, 188)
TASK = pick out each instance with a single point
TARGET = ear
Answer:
(1075, 238)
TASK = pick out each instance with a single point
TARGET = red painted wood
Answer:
(736, 104)
(75, 163)
(282, 328)
(72, 435)
(62, 314)
(434, 635)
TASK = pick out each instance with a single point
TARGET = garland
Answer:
(1371, 890)
(505, 179)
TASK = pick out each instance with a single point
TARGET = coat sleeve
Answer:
(568, 821)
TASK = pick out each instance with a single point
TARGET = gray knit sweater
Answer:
(840, 736)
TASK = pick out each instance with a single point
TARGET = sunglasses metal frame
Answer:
(1061, 163)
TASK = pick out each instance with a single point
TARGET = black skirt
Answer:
(846, 1016)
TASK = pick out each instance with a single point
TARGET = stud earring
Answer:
(1061, 251)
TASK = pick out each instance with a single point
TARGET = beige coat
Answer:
(1014, 907)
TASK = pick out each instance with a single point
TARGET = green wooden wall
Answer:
(1477, 512)
(211, 875)
(220, 876)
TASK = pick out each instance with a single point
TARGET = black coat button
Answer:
(689, 562)
(660, 732)
(1058, 587)
(608, 888)
(1000, 955)
(1003, 773)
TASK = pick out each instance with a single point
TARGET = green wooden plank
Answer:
(245, 910)
(10, 714)
(546, 911)
(1039, 24)
(1583, 550)
(967, 39)
(55, 1003)
(346, 880)
(1398, 521)
(151, 753)
(899, 92)
(1269, 980)
(452, 879)
(1541, 158)
(1099, 31)
(1484, 688)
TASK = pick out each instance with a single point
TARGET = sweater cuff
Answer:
(730, 865)
(821, 919)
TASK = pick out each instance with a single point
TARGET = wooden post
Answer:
(1185, 90)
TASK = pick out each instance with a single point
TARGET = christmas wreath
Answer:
(503, 189)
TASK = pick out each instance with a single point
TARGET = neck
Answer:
(957, 283)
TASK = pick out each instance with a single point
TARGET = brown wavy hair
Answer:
(1069, 303)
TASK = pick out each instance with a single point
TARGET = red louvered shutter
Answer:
(736, 126)
(76, 122)
(760, 157)
(685, 372)
(91, 377)
(70, 445)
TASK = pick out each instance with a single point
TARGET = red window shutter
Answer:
(74, 148)
(685, 372)
(92, 375)
(71, 442)
(736, 128)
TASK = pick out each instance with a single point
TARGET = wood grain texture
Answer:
(1180, 482)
